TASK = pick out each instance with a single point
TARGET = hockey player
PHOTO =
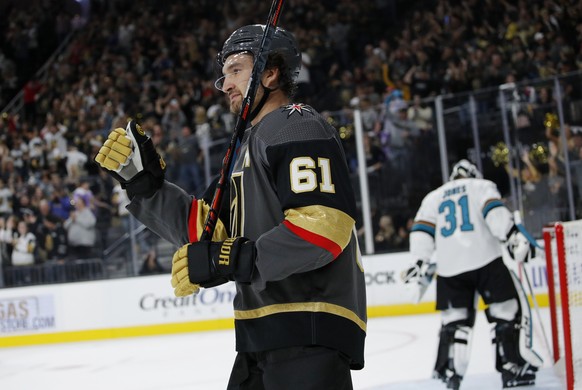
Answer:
(463, 223)
(288, 243)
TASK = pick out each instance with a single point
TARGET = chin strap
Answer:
(261, 103)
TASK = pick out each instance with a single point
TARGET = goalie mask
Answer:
(248, 38)
(465, 170)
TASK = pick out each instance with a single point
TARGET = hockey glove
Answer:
(518, 246)
(418, 277)
(208, 264)
(418, 271)
(130, 157)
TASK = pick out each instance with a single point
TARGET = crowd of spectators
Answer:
(155, 61)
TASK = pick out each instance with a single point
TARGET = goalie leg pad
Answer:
(459, 315)
(507, 332)
(505, 338)
(453, 351)
(515, 370)
(503, 311)
(525, 326)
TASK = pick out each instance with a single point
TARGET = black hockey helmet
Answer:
(248, 38)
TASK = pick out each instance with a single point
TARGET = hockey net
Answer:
(563, 247)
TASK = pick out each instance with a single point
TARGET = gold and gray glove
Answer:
(130, 157)
(211, 263)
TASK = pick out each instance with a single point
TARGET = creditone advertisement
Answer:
(146, 305)
(107, 307)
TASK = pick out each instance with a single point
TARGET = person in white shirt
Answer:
(81, 230)
(56, 143)
(461, 225)
(75, 163)
(6, 240)
(6, 195)
(24, 246)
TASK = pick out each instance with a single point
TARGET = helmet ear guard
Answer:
(465, 169)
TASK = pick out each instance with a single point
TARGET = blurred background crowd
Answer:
(71, 71)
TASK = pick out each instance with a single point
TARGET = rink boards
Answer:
(146, 305)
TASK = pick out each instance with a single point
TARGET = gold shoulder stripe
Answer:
(321, 307)
(197, 219)
(328, 222)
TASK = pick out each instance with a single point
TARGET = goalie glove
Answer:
(418, 277)
(518, 246)
(208, 264)
(420, 270)
(130, 157)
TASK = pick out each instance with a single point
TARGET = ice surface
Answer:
(400, 353)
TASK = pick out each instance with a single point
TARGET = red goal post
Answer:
(563, 247)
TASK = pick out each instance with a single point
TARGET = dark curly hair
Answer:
(287, 82)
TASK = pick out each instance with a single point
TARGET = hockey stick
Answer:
(528, 235)
(522, 271)
(536, 307)
(519, 225)
(526, 333)
(242, 120)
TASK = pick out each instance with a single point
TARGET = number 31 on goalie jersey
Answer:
(456, 216)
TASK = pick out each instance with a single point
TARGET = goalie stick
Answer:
(243, 118)
(523, 230)
(526, 333)
(536, 307)
(518, 273)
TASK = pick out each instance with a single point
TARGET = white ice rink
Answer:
(400, 354)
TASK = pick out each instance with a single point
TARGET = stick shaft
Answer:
(242, 120)
(536, 309)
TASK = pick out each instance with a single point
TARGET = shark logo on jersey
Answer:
(296, 107)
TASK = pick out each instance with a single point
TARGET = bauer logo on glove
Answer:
(208, 264)
(130, 157)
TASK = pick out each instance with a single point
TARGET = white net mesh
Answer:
(573, 267)
(569, 322)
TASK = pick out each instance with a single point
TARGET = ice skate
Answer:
(516, 376)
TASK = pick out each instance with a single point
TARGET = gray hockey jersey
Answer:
(290, 193)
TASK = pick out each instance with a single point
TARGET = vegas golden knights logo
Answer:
(236, 205)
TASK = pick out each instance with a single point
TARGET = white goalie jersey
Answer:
(462, 224)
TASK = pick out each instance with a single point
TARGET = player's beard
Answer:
(236, 104)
